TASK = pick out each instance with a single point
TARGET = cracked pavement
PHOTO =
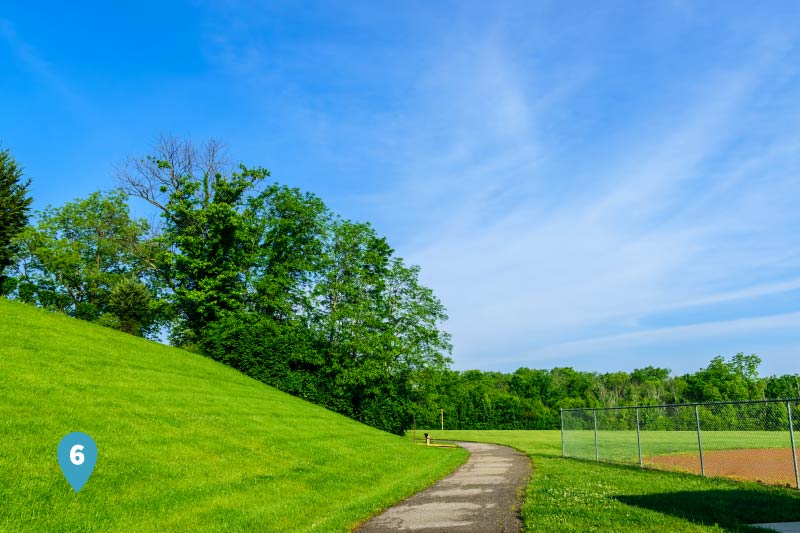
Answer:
(483, 495)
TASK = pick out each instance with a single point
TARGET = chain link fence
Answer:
(753, 440)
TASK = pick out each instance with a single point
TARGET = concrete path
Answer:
(781, 527)
(483, 496)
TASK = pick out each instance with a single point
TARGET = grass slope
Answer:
(184, 443)
(574, 496)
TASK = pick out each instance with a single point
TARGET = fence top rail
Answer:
(698, 404)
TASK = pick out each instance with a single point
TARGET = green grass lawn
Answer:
(185, 443)
(574, 496)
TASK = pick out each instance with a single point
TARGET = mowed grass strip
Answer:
(573, 495)
(185, 443)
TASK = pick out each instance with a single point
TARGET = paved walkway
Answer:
(781, 527)
(483, 496)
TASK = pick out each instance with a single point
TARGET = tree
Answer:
(376, 326)
(722, 380)
(746, 366)
(264, 278)
(77, 252)
(291, 229)
(786, 386)
(130, 302)
(649, 383)
(14, 207)
(347, 323)
(333, 317)
(207, 245)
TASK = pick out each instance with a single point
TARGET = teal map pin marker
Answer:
(77, 454)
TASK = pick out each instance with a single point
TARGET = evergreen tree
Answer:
(14, 207)
(130, 302)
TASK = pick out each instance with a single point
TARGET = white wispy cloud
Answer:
(655, 227)
(682, 333)
(544, 198)
(46, 74)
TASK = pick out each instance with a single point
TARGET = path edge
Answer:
(356, 525)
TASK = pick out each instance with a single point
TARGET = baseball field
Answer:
(583, 495)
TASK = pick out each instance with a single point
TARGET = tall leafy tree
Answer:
(377, 327)
(736, 379)
(14, 208)
(291, 229)
(207, 245)
(76, 253)
(269, 336)
(207, 224)
(264, 278)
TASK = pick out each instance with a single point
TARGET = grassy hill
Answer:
(184, 443)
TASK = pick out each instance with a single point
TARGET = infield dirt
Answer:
(772, 466)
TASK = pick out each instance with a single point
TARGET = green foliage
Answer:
(76, 253)
(290, 229)
(14, 206)
(721, 380)
(207, 225)
(266, 279)
(353, 335)
(109, 320)
(376, 327)
(130, 302)
(787, 386)
(532, 399)
(279, 354)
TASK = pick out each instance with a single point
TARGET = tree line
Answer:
(533, 399)
(268, 280)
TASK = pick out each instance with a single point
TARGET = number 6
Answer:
(75, 455)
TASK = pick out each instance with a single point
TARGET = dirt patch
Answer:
(773, 466)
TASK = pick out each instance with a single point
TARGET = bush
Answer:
(130, 302)
(109, 320)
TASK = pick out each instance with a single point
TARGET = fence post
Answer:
(596, 449)
(639, 438)
(562, 432)
(794, 449)
(699, 441)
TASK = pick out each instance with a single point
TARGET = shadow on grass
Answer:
(731, 509)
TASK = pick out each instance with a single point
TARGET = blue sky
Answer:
(603, 185)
